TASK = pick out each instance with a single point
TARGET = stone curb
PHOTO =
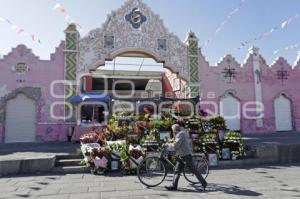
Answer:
(27, 166)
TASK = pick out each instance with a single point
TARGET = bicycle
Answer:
(152, 171)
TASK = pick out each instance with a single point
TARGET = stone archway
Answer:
(118, 35)
(133, 28)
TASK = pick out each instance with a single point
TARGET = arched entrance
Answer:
(283, 113)
(20, 119)
(230, 110)
(119, 36)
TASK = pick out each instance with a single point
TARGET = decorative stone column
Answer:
(193, 86)
(71, 58)
(254, 51)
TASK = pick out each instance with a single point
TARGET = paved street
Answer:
(263, 182)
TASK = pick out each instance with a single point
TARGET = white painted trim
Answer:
(257, 88)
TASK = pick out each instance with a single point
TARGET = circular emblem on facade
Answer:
(136, 18)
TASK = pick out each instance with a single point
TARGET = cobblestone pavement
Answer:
(264, 182)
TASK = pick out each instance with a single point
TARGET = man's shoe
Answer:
(171, 188)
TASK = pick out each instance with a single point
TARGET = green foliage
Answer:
(217, 123)
(234, 141)
(209, 143)
(122, 149)
(193, 124)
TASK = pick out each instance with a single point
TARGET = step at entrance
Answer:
(69, 164)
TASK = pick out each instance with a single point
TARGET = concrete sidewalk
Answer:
(262, 182)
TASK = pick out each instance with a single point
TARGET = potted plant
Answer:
(210, 144)
(100, 160)
(150, 141)
(193, 125)
(137, 155)
(234, 141)
(218, 123)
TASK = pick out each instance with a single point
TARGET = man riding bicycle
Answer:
(183, 149)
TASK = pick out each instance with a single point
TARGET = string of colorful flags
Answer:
(280, 26)
(19, 30)
(60, 8)
(222, 25)
(290, 47)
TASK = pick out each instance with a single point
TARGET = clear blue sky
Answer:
(201, 16)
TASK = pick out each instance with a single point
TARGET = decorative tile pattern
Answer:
(193, 65)
(71, 55)
(136, 18)
(109, 42)
(92, 49)
(161, 44)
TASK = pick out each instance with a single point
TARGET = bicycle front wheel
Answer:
(151, 172)
(202, 167)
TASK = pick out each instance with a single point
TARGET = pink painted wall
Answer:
(274, 87)
(214, 86)
(40, 75)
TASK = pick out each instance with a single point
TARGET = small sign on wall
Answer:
(176, 84)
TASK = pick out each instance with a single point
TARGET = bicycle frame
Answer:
(162, 157)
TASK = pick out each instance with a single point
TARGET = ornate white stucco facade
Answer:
(93, 50)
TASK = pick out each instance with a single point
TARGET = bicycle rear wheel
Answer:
(151, 172)
(202, 166)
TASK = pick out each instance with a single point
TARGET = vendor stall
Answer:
(92, 112)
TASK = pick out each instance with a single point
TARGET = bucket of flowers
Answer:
(91, 137)
(123, 153)
(86, 150)
(163, 127)
(133, 139)
(120, 132)
(193, 126)
(118, 153)
(150, 141)
(218, 123)
(136, 155)
(209, 143)
(100, 160)
(234, 141)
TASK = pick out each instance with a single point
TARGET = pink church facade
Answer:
(253, 97)
(274, 90)
(277, 80)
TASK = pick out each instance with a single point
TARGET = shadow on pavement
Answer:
(224, 188)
